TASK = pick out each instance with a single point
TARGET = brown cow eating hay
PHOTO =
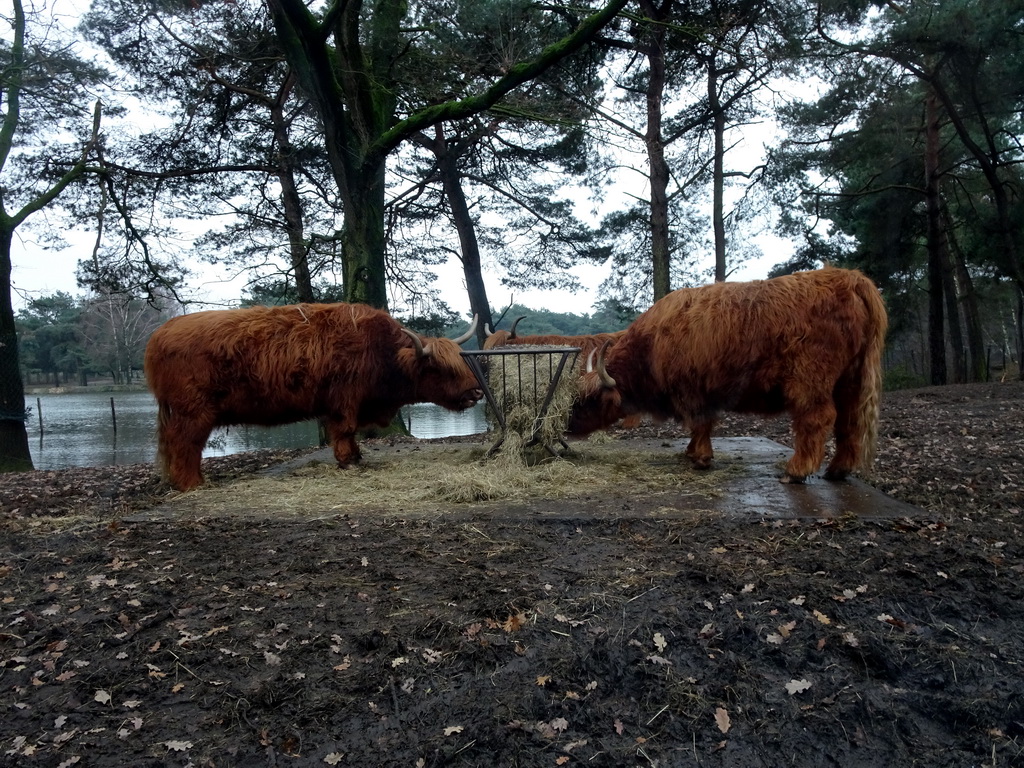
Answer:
(351, 364)
(809, 344)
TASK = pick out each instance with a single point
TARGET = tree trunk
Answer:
(14, 451)
(968, 300)
(471, 267)
(290, 199)
(661, 266)
(956, 337)
(1020, 331)
(718, 173)
(363, 239)
(936, 335)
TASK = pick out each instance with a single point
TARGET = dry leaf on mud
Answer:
(822, 617)
(452, 730)
(514, 623)
(542, 680)
(102, 697)
(619, 727)
(660, 642)
(797, 686)
(178, 746)
(559, 724)
(722, 719)
(334, 758)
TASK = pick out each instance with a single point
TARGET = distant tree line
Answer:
(67, 341)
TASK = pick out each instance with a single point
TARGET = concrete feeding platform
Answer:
(753, 487)
(742, 484)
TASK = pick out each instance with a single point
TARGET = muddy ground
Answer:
(483, 634)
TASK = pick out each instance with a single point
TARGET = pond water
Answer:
(78, 429)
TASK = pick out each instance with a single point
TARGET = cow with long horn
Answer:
(350, 364)
(808, 344)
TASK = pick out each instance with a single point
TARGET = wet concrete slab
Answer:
(752, 486)
(746, 486)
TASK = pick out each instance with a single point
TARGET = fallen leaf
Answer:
(660, 642)
(102, 697)
(797, 686)
(562, 760)
(453, 729)
(559, 724)
(514, 623)
(822, 617)
(785, 629)
(774, 639)
(798, 600)
(178, 746)
(619, 727)
(722, 719)
(334, 758)
(542, 680)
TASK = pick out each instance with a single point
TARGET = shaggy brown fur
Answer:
(351, 364)
(809, 344)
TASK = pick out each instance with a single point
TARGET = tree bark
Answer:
(718, 172)
(936, 335)
(968, 301)
(14, 451)
(290, 199)
(661, 256)
(472, 270)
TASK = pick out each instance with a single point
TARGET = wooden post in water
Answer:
(39, 411)
(113, 414)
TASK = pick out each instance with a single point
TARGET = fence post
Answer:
(113, 414)
(39, 411)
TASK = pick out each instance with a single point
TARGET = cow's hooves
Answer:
(700, 463)
(793, 479)
(837, 475)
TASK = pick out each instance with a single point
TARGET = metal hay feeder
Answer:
(529, 377)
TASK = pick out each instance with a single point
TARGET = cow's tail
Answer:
(163, 415)
(869, 407)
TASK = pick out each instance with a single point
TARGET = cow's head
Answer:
(501, 338)
(599, 404)
(440, 373)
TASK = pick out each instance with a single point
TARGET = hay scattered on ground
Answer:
(422, 480)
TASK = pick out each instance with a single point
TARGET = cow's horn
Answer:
(421, 351)
(512, 330)
(468, 334)
(487, 330)
(602, 372)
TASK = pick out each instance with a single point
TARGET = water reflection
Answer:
(77, 430)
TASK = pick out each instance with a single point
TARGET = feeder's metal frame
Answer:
(474, 359)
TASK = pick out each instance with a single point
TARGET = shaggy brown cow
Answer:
(351, 364)
(809, 344)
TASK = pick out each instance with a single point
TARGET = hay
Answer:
(520, 384)
(433, 479)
